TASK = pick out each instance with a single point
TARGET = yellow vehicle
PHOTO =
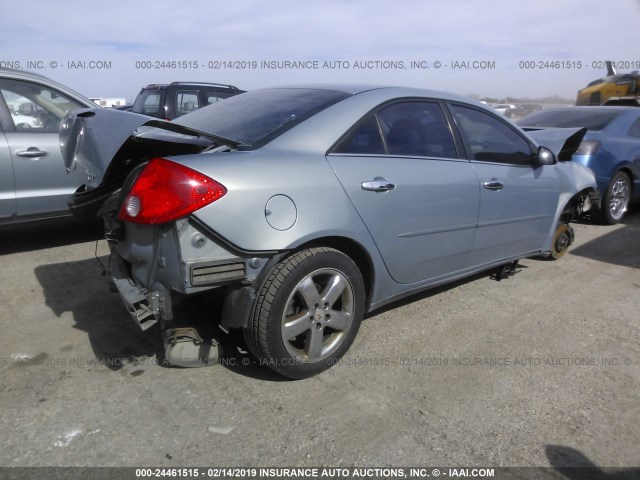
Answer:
(614, 89)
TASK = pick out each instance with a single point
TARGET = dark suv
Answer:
(179, 98)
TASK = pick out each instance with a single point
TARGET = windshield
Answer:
(255, 118)
(591, 119)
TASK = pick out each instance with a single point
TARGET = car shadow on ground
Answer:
(574, 465)
(486, 275)
(234, 353)
(618, 247)
(203, 312)
(26, 238)
(80, 288)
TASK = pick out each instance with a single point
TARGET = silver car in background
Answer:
(310, 206)
(33, 186)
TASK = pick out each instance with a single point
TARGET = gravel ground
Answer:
(540, 369)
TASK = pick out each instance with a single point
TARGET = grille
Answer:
(212, 274)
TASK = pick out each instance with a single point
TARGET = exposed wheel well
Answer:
(574, 207)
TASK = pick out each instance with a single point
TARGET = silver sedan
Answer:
(33, 186)
(309, 206)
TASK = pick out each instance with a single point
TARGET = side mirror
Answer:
(544, 157)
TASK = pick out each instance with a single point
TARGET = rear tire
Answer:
(616, 200)
(307, 313)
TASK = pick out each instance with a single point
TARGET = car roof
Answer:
(16, 74)
(181, 83)
(386, 90)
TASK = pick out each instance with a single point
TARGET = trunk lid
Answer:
(98, 142)
(563, 142)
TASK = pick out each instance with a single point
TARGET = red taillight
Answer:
(165, 191)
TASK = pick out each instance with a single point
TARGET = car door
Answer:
(400, 168)
(7, 187)
(41, 184)
(518, 198)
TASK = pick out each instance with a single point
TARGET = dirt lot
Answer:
(540, 369)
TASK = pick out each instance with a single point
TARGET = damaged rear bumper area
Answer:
(175, 261)
(145, 308)
(183, 347)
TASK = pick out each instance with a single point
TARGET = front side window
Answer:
(33, 107)
(490, 139)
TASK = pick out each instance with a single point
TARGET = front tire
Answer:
(307, 313)
(616, 199)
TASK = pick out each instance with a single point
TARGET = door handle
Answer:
(31, 152)
(378, 184)
(493, 185)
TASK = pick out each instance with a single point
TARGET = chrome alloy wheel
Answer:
(619, 197)
(318, 315)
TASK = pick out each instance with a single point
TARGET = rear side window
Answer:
(214, 96)
(415, 128)
(634, 131)
(186, 101)
(149, 102)
(365, 139)
(490, 139)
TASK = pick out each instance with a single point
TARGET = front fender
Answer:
(575, 179)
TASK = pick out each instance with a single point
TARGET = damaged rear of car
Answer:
(309, 206)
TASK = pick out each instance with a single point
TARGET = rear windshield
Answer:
(591, 119)
(255, 118)
(149, 102)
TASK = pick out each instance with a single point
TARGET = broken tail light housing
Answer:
(166, 191)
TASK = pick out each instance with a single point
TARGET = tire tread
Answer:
(256, 332)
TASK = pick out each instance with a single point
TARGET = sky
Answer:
(485, 48)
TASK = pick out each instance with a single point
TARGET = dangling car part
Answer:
(505, 271)
(562, 238)
(307, 207)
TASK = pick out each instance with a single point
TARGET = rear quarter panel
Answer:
(321, 208)
(617, 152)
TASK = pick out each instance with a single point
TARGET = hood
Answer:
(563, 142)
(93, 139)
